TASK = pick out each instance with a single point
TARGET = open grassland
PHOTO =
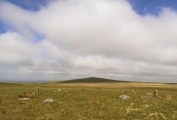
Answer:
(83, 101)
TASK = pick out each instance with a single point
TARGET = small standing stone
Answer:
(99, 89)
(37, 90)
(155, 93)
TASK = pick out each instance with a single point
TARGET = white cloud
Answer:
(92, 37)
(14, 49)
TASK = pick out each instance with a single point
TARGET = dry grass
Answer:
(78, 101)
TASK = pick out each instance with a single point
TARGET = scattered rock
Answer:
(49, 100)
(132, 91)
(150, 95)
(147, 95)
(124, 97)
(122, 91)
(59, 90)
(24, 98)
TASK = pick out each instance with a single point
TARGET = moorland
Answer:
(88, 99)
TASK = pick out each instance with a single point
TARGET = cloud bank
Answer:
(73, 39)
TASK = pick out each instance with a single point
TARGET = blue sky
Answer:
(64, 39)
(2, 27)
(34, 5)
(144, 7)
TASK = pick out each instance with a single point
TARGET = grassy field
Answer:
(83, 101)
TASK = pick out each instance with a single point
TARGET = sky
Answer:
(46, 40)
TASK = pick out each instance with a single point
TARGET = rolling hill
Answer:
(90, 80)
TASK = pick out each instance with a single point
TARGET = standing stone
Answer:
(37, 90)
(99, 89)
(155, 93)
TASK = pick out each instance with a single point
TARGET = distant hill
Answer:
(9, 83)
(89, 80)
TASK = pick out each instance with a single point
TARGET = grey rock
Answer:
(24, 98)
(49, 100)
(124, 97)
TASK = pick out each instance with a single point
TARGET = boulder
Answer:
(124, 97)
(49, 100)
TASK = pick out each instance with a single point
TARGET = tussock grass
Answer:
(88, 104)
